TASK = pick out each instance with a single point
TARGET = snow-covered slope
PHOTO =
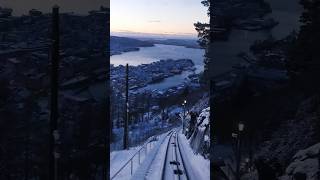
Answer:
(200, 138)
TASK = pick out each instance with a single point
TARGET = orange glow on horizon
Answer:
(169, 17)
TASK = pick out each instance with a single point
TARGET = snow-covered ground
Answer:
(157, 167)
(151, 162)
(199, 165)
(119, 158)
(143, 170)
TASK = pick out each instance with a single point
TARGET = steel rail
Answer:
(165, 159)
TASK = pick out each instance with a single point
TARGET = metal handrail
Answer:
(151, 139)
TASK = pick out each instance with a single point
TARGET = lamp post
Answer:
(184, 114)
(240, 130)
(126, 120)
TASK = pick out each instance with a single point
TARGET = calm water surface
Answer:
(148, 55)
(286, 12)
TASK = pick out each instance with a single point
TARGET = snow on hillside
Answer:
(119, 158)
(200, 165)
(200, 138)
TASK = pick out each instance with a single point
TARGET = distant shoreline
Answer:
(120, 45)
(138, 49)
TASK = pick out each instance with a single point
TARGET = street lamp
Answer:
(184, 114)
(240, 126)
(240, 130)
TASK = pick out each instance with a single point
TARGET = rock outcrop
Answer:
(200, 138)
(305, 163)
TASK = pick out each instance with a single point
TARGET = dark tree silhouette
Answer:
(304, 63)
(203, 30)
(162, 105)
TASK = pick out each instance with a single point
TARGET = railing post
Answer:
(146, 149)
(139, 156)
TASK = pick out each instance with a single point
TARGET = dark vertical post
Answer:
(108, 128)
(26, 168)
(184, 117)
(318, 163)
(238, 156)
(54, 93)
(126, 120)
(28, 118)
(211, 85)
(211, 102)
(211, 10)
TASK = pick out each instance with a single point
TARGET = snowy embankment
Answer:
(195, 149)
(156, 168)
(118, 159)
(199, 166)
(200, 138)
(144, 168)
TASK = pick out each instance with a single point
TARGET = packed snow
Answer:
(199, 165)
(119, 158)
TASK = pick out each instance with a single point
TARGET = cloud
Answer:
(154, 21)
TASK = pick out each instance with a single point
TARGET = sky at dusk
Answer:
(77, 6)
(170, 17)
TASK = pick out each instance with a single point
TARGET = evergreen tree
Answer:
(203, 30)
(304, 62)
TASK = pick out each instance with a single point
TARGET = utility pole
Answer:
(106, 163)
(211, 125)
(126, 120)
(54, 135)
(28, 117)
(238, 157)
(212, 86)
(211, 10)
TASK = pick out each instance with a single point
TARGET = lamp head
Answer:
(240, 126)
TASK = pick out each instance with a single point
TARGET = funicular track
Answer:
(174, 164)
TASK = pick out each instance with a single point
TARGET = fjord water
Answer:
(286, 12)
(147, 55)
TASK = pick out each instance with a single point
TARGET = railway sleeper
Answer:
(175, 163)
(178, 171)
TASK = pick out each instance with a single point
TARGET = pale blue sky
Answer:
(156, 16)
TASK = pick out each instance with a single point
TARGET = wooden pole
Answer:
(54, 94)
(211, 10)
(212, 86)
(126, 121)
(212, 136)
(108, 128)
